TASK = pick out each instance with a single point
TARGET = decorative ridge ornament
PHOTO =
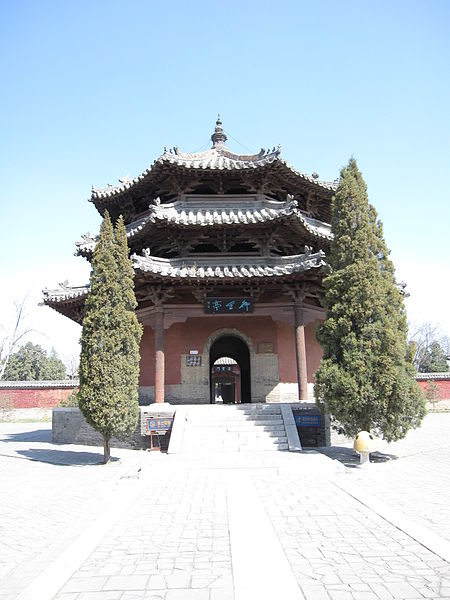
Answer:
(125, 180)
(219, 137)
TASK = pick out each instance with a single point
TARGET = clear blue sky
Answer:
(92, 91)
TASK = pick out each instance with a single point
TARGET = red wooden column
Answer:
(159, 355)
(300, 349)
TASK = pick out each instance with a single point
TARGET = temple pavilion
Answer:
(228, 252)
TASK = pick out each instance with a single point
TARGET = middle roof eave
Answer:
(227, 269)
(195, 213)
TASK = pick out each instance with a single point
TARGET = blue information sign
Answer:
(307, 420)
(158, 424)
(228, 305)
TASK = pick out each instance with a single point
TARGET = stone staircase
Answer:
(233, 428)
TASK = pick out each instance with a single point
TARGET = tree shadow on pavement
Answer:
(350, 458)
(39, 435)
(65, 458)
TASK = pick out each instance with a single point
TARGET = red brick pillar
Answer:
(300, 349)
(159, 355)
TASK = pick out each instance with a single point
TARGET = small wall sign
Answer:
(224, 306)
(193, 360)
(265, 348)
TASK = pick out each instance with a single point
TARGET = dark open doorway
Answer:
(226, 381)
(234, 347)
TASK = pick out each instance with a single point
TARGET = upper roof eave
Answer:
(216, 159)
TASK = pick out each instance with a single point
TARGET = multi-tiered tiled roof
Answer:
(175, 172)
(215, 218)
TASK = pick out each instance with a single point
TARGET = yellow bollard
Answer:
(364, 444)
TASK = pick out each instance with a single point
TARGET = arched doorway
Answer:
(232, 347)
(226, 381)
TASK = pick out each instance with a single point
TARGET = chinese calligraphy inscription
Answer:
(221, 306)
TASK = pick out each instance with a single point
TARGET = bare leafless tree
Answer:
(72, 363)
(14, 332)
(425, 334)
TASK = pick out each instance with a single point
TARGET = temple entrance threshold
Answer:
(229, 367)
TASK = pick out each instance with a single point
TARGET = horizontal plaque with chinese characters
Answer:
(223, 306)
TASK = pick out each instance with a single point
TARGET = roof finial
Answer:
(218, 137)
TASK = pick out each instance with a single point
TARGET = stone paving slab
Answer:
(336, 546)
(176, 538)
(172, 539)
(413, 474)
(49, 494)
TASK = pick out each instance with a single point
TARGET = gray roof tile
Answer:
(228, 268)
(218, 158)
(197, 211)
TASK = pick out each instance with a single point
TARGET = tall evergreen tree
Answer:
(366, 378)
(109, 361)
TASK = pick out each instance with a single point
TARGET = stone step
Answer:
(242, 406)
(234, 428)
(253, 427)
(235, 438)
(232, 423)
(250, 447)
(233, 415)
(234, 435)
(201, 410)
(245, 448)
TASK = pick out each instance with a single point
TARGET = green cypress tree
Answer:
(366, 378)
(109, 361)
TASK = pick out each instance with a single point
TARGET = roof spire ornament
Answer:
(218, 137)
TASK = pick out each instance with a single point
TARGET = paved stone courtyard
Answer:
(253, 526)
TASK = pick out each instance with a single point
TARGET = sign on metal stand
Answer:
(154, 425)
(152, 446)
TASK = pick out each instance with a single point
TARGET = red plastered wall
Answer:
(196, 331)
(33, 398)
(313, 350)
(443, 384)
(193, 335)
(147, 364)
(287, 358)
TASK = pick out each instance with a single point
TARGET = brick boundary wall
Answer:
(35, 394)
(48, 394)
(442, 380)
